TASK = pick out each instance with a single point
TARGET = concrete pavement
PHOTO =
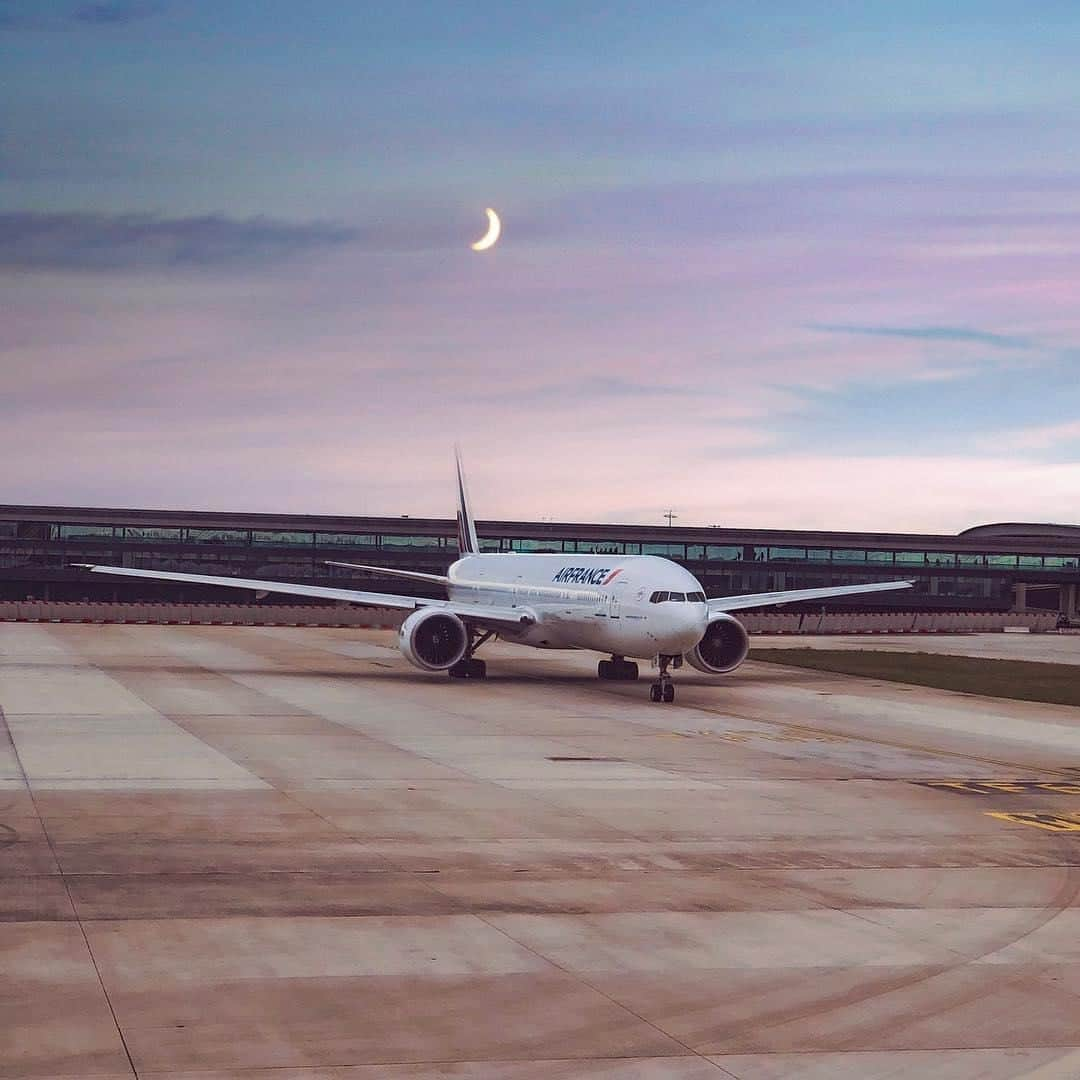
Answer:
(256, 853)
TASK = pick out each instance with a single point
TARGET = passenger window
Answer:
(677, 596)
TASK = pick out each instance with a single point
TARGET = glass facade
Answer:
(86, 532)
(848, 556)
(388, 540)
(156, 533)
(218, 536)
(786, 553)
(943, 577)
(723, 553)
(600, 547)
(547, 544)
(910, 558)
(346, 540)
(669, 551)
(1061, 562)
(282, 539)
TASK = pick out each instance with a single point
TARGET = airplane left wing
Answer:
(498, 618)
(789, 596)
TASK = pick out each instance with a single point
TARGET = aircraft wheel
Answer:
(669, 693)
(468, 669)
(655, 692)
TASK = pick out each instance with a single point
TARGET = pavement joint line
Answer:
(580, 977)
(67, 889)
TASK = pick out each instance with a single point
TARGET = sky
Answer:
(789, 265)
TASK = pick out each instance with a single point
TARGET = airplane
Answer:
(632, 607)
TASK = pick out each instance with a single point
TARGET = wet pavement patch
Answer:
(581, 758)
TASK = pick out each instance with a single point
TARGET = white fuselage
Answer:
(599, 602)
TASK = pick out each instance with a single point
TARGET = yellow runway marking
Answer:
(1008, 787)
(1050, 822)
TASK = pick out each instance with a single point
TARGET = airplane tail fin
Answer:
(466, 524)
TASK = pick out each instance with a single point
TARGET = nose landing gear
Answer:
(664, 689)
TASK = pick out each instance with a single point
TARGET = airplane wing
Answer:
(789, 596)
(498, 618)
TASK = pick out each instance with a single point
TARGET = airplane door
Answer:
(613, 603)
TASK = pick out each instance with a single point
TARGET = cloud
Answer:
(94, 242)
(590, 389)
(931, 333)
(1043, 437)
(115, 12)
(27, 15)
(13, 19)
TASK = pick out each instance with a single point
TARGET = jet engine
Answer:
(432, 639)
(723, 647)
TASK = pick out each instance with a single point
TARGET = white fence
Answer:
(901, 622)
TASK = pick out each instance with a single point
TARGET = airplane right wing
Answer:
(488, 615)
(789, 596)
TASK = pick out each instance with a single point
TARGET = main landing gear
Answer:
(664, 689)
(468, 667)
(617, 669)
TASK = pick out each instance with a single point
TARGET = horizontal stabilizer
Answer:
(386, 571)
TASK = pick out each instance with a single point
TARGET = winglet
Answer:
(466, 525)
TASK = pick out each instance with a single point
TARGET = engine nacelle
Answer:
(723, 647)
(433, 640)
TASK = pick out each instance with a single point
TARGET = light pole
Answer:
(671, 516)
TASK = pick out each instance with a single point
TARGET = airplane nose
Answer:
(692, 621)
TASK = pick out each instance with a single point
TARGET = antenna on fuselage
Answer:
(466, 524)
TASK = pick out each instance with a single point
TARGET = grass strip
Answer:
(1019, 680)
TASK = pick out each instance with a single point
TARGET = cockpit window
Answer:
(677, 596)
(658, 597)
(696, 597)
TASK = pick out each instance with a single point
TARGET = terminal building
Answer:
(987, 568)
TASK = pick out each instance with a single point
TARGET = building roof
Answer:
(1015, 530)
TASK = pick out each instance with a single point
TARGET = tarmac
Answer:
(284, 854)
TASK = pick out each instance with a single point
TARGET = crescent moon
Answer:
(493, 230)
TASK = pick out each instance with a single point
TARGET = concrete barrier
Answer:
(900, 622)
(200, 614)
